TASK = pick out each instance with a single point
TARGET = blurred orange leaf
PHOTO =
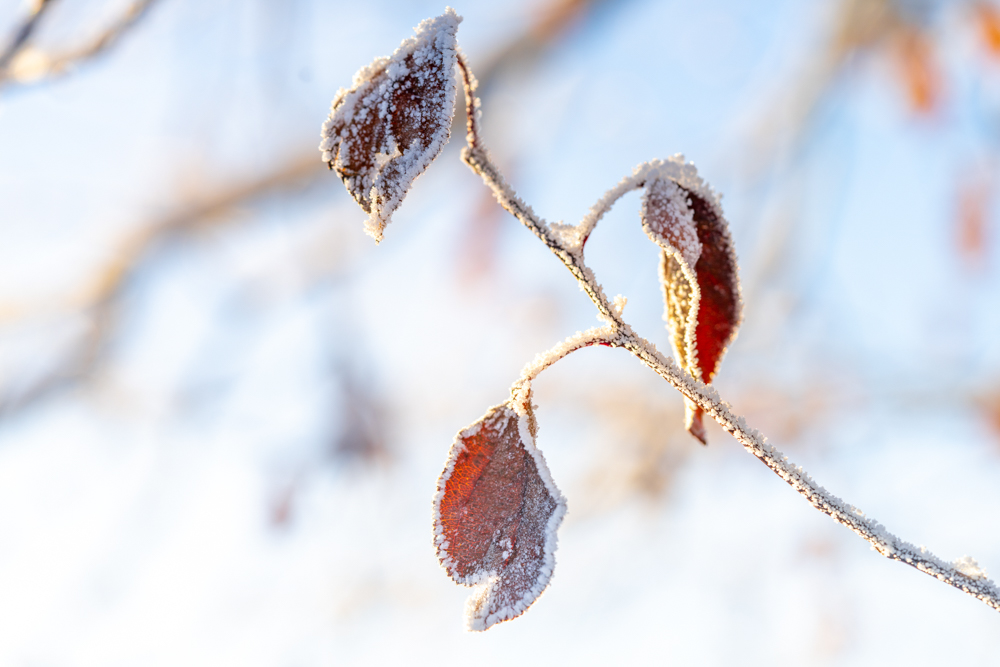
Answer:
(971, 222)
(919, 72)
(988, 19)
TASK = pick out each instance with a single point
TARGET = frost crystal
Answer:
(396, 118)
(496, 513)
(668, 219)
(969, 567)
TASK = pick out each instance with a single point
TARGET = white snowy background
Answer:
(244, 474)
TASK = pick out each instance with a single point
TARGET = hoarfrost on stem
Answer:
(969, 567)
(581, 339)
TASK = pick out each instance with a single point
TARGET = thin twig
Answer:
(134, 255)
(552, 22)
(964, 575)
(595, 336)
(23, 33)
(58, 64)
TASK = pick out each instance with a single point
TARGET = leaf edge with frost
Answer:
(487, 583)
(375, 193)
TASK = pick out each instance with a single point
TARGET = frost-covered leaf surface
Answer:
(395, 119)
(699, 276)
(496, 515)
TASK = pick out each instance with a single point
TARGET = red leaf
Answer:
(393, 122)
(496, 515)
(699, 275)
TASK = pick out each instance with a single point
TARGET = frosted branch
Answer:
(472, 102)
(596, 336)
(567, 242)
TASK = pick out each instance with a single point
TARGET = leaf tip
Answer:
(694, 424)
(374, 228)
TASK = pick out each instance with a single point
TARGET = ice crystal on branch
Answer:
(698, 272)
(395, 119)
(968, 566)
(496, 515)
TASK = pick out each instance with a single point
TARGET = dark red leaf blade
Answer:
(496, 514)
(720, 310)
(699, 276)
(392, 123)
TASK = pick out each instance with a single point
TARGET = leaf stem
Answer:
(596, 336)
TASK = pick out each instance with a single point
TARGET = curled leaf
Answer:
(395, 119)
(496, 513)
(699, 275)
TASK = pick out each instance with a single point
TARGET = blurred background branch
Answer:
(111, 282)
(23, 33)
(21, 63)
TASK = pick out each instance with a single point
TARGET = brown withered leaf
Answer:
(395, 119)
(699, 276)
(496, 513)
